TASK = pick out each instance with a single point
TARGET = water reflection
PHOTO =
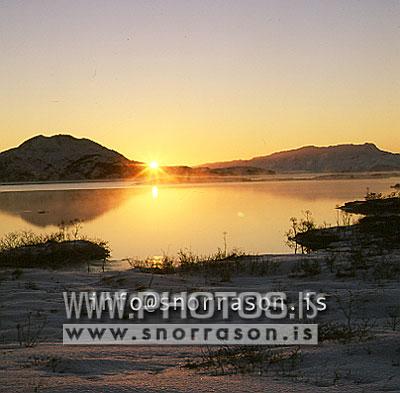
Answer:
(154, 192)
(254, 216)
(45, 208)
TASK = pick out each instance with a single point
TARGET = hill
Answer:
(340, 158)
(62, 157)
(66, 158)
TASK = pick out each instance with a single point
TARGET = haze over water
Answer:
(145, 220)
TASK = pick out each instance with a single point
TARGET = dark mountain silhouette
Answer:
(340, 158)
(62, 157)
(66, 158)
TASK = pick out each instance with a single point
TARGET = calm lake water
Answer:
(144, 220)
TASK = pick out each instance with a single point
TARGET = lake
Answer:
(140, 221)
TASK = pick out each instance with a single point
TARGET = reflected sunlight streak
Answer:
(154, 192)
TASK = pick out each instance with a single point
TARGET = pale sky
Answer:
(187, 82)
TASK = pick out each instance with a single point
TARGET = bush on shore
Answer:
(58, 249)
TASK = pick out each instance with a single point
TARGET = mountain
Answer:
(340, 158)
(66, 158)
(62, 157)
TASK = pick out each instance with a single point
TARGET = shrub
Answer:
(65, 246)
(245, 359)
(343, 333)
(299, 226)
(29, 331)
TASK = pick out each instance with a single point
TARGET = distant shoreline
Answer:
(289, 176)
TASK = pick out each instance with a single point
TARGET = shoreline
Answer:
(127, 183)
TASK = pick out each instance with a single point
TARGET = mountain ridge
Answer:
(365, 157)
(63, 157)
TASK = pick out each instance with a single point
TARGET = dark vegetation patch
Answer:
(318, 239)
(375, 204)
(63, 248)
(220, 266)
(248, 359)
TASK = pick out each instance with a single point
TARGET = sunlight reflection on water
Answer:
(255, 215)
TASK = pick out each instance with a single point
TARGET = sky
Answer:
(189, 82)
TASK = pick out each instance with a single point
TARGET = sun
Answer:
(153, 165)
